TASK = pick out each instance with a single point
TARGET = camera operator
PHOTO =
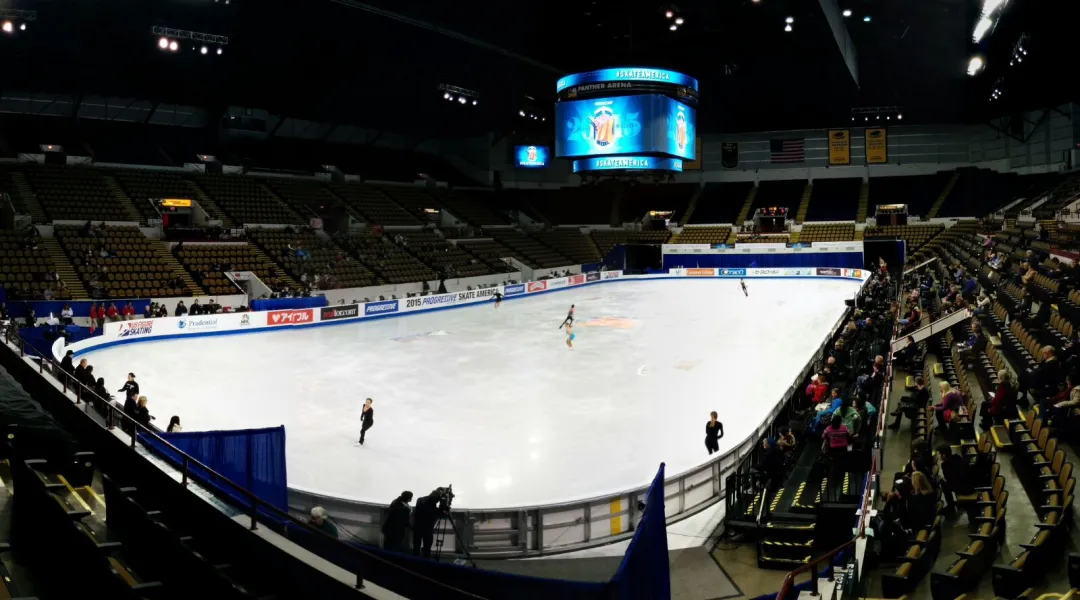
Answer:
(397, 523)
(429, 509)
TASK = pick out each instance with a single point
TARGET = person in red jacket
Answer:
(112, 313)
(128, 312)
(93, 317)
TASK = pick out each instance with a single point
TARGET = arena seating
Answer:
(571, 243)
(475, 207)
(831, 232)
(640, 199)
(24, 265)
(608, 239)
(588, 205)
(915, 235)
(1060, 195)
(785, 193)
(247, 201)
(75, 193)
(702, 235)
(833, 200)
(7, 185)
(304, 196)
(373, 204)
(441, 255)
(919, 192)
(392, 263)
(720, 202)
(134, 268)
(333, 266)
(208, 263)
(141, 186)
(413, 199)
(530, 250)
(490, 252)
(977, 189)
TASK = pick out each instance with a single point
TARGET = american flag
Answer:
(786, 151)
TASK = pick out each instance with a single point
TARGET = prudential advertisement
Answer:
(625, 125)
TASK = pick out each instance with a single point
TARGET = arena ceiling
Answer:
(379, 62)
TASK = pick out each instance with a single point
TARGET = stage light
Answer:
(1019, 59)
(866, 118)
(669, 14)
(204, 50)
(975, 65)
(461, 99)
(8, 27)
(852, 119)
(474, 102)
(22, 27)
(163, 43)
(521, 113)
(847, 12)
(879, 117)
(674, 27)
(981, 28)
(787, 28)
(220, 51)
(446, 95)
(888, 118)
(174, 46)
(789, 20)
(899, 117)
(866, 19)
(679, 21)
(543, 118)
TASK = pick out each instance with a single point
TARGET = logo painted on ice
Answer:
(289, 317)
(537, 286)
(382, 307)
(136, 328)
(514, 290)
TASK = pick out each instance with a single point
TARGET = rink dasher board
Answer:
(165, 328)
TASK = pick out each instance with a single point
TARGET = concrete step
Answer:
(66, 270)
(122, 197)
(28, 197)
(207, 204)
(166, 257)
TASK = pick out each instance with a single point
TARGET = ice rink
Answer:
(492, 401)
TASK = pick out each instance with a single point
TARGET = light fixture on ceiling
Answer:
(866, 19)
(787, 28)
(975, 65)
(669, 14)
(847, 12)
(789, 20)
(679, 21)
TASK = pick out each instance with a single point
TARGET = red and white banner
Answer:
(537, 286)
(275, 318)
(577, 279)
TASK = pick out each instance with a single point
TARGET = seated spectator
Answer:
(922, 504)
(174, 425)
(150, 311)
(181, 310)
(956, 479)
(1064, 401)
(770, 466)
(951, 399)
(890, 524)
(320, 520)
(983, 305)
(975, 344)
(88, 380)
(1044, 381)
(67, 316)
(101, 395)
(196, 308)
(112, 313)
(867, 418)
(836, 438)
(162, 311)
(1002, 403)
(129, 312)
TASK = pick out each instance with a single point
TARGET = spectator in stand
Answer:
(951, 398)
(174, 425)
(890, 524)
(162, 311)
(181, 310)
(142, 413)
(396, 526)
(128, 313)
(974, 345)
(151, 310)
(825, 413)
(78, 372)
(770, 465)
(88, 378)
(787, 442)
(955, 477)
(66, 363)
(867, 419)
(983, 305)
(910, 405)
(1046, 379)
(850, 417)
(922, 505)
(112, 313)
(320, 520)
(67, 316)
(101, 395)
(1065, 400)
(196, 308)
(818, 389)
(836, 441)
(1002, 403)
(970, 286)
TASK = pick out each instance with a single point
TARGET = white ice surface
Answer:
(493, 401)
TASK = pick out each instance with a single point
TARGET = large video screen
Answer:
(625, 125)
(531, 157)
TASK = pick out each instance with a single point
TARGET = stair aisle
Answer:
(282, 273)
(207, 203)
(66, 270)
(804, 204)
(943, 196)
(29, 198)
(744, 212)
(692, 205)
(122, 197)
(788, 535)
(864, 202)
(167, 257)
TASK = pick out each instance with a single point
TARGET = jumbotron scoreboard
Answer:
(626, 119)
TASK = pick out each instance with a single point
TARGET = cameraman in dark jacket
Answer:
(397, 524)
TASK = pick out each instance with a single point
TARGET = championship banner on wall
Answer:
(729, 155)
(839, 147)
(877, 146)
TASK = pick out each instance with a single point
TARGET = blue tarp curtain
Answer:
(289, 303)
(41, 338)
(644, 573)
(253, 459)
(842, 260)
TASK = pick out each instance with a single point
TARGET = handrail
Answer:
(256, 505)
(789, 579)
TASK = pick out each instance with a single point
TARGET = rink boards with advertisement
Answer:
(125, 332)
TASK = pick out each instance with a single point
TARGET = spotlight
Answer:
(446, 95)
(674, 27)
(847, 12)
(22, 27)
(852, 119)
(461, 99)
(787, 28)
(220, 51)
(204, 50)
(789, 20)
(1019, 59)
(866, 19)
(899, 117)
(521, 113)
(975, 65)
(543, 118)
(981, 28)
(669, 14)
(474, 102)
(888, 118)
(679, 21)
(8, 27)
(866, 118)
(174, 46)
(163, 43)
(879, 117)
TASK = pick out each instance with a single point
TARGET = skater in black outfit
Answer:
(714, 430)
(569, 320)
(743, 284)
(498, 299)
(368, 418)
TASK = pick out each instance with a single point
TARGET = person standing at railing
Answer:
(714, 430)
(67, 363)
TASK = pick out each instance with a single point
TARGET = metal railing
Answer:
(114, 416)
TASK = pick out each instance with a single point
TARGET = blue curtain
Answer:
(644, 572)
(289, 303)
(840, 260)
(253, 459)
